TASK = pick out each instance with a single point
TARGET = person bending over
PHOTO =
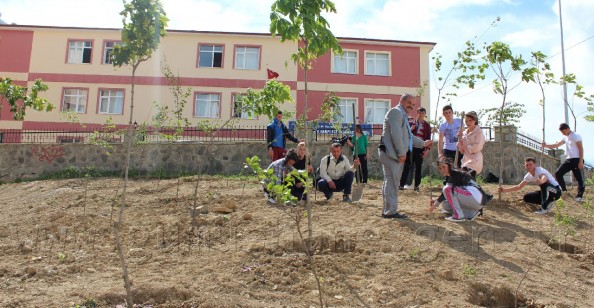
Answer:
(281, 168)
(461, 195)
(550, 191)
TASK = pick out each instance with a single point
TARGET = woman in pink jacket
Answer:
(471, 144)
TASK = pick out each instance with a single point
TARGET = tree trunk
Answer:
(118, 223)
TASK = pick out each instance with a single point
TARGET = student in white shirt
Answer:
(549, 188)
(574, 161)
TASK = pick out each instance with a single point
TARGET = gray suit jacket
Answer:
(396, 135)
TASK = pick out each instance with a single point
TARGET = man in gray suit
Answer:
(396, 141)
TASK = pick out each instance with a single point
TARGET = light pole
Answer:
(563, 66)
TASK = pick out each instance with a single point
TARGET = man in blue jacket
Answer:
(276, 135)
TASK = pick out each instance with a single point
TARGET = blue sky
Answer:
(526, 25)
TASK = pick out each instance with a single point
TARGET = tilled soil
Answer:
(235, 250)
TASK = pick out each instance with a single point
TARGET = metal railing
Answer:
(189, 134)
(196, 134)
(88, 135)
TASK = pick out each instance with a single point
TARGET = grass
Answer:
(470, 270)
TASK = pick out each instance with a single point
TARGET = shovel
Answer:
(357, 189)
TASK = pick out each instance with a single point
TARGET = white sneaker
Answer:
(579, 199)
(543, 211)
(269, 198)
(407, 187)
(452, 219)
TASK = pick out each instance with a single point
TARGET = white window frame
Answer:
(113, 99)
(76, 95)
(212, 53)
(346, 110)
(213, 105)
(244, 114)
(245, 53)
(350, 57)
(373, 63)
(375, 112)
(106, 58)
(77, 49)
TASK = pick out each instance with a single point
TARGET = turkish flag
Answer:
(271, 74)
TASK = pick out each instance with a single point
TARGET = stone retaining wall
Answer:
(34, 160)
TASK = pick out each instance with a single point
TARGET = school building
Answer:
(74, 62)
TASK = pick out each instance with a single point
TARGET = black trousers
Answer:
(415, 158)
(452, 155)
(571, 164)
(545, 197)
(364, 174)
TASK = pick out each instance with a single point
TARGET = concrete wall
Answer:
(33, 160)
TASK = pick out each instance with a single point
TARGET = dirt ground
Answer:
(57, 249)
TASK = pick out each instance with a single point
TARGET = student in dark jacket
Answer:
(414, 160)
(276, 135)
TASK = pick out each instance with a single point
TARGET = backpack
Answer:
(317, 176)
(491, 178)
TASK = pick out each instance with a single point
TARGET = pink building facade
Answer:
(214, 66)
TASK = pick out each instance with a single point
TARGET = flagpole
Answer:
(565, 102)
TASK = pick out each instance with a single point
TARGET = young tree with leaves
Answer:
(500, 58)
(577, 93)
(20, 99)
(144, 23)
(541, 71)
(301, 21)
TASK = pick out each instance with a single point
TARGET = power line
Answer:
(568, 48)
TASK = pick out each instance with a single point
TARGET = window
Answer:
(346, 111)
(247, 58)
(107, 49)
(346, 64)
(237, 109)
(79, 52)
(111, 101)
(208, 105)
(210, 56)
(377, 64)
(75, 100)
(375, 111)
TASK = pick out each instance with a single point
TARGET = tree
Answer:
(302, 21)
(577, 93)
(168, 117)
(541, 71)
(512, 114)
(144, 23)
(503, 62)
(466, 65)
(19, 98)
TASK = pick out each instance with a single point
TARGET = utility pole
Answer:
(565, 102)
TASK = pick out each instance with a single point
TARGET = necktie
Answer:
(410, 142)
